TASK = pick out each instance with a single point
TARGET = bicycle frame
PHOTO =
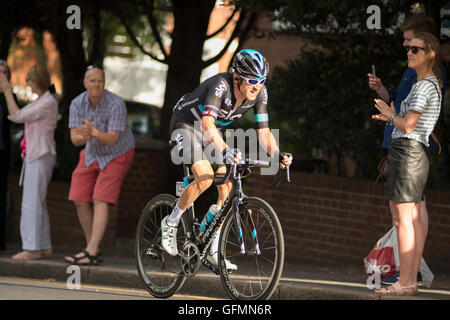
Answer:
(233, 202)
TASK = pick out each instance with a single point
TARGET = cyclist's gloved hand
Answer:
(285, 159)
(231, 155)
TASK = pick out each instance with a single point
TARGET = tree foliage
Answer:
(322, 98)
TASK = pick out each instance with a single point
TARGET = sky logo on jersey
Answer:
(221, 89)
(223, 113)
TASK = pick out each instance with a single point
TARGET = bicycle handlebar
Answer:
(232, 169)
(246, 162)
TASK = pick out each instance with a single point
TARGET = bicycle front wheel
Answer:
(259, 268)
(159, 272)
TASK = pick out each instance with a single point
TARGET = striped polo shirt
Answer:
(110, 114)
(423, 98)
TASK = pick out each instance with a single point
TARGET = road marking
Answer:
(53, 284)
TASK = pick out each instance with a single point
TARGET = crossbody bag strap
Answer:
(432, 133)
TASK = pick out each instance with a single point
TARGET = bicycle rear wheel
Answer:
(259, 269)
(159, 272)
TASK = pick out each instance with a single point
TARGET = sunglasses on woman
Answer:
(254, 82)
(414, 49)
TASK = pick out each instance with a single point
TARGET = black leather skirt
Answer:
(408, 170)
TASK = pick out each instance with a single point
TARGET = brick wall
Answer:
(323, 218)
(140, 185)
(339, 219)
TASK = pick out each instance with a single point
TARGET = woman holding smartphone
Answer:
(408, 156)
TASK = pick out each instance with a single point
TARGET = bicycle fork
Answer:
(236, 205)
(256, 250)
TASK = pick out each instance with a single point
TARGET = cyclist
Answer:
(215, 103)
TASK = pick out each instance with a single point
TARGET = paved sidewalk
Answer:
(300, 281)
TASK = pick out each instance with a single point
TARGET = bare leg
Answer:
(93, 222)
(424, 218)
(204, 177)
(85, 215)
(100, 221)
(223, 189)
(410, 241)
(421, 225)
(394, 214)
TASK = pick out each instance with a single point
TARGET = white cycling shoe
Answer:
(213, 255)
(169, 237)
(214, 260)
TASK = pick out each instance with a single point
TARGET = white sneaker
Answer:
(169, 237)
(214, 260)
(213, 255)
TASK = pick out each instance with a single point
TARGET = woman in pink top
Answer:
(40, 119)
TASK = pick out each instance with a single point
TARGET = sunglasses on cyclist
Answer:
(254, 82)
(414, 49)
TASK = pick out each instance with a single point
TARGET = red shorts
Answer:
(91, 183)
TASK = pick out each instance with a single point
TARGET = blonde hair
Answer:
(432, 44)
(40, 76)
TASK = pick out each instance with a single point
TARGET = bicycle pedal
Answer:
(151, 255)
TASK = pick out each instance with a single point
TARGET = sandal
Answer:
(397, 289)
(99, 256)
(93, 260)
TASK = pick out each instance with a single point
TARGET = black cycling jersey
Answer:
(215, 97)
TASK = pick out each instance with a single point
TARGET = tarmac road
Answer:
(12, 288)
(300, 281)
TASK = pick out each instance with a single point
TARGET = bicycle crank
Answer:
(190, 259)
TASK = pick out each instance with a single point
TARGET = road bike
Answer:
(251, 238)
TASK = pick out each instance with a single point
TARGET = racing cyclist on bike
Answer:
(216, 102)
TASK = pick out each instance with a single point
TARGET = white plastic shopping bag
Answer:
(383, 260)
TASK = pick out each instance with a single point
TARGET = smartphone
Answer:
(373, 71)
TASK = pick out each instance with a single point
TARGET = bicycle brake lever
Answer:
(288, 175)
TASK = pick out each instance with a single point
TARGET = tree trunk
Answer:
(73, 61)
(433, 9)
(98, 37)
(5, 42)
(185, 60)
(185, 67)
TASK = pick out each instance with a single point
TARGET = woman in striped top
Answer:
(408, 156)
